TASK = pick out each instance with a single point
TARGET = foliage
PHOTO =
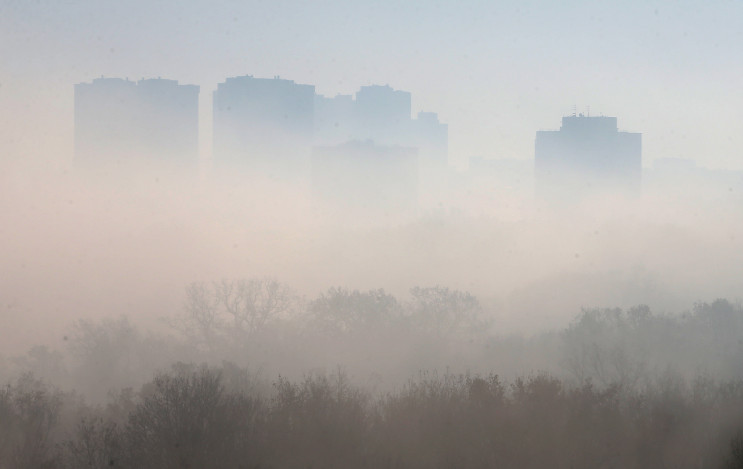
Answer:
(446, 312)
(340, 310)
(187, 417)
(629, 347)
(29, 412)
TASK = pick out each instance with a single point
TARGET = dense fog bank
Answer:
(378, 344)
(90, 246)
(367, 343)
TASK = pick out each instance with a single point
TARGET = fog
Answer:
(370, 235)
(126, 295)
(91, 245)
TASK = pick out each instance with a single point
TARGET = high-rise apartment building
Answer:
(587, 156)
(382, 115)
(263, 124)
(121, 122)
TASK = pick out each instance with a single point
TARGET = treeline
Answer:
(263, 325)
(212, 417)
(230, 313)
(634, 345)
(614, 388)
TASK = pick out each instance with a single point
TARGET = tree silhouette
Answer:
(343, 310)
(446, 312)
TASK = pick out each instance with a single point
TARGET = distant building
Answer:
(263, 124)
(588, 156)
(119, 122)
(335, 120)
(363, 180)
(382, 115)
(431, 137)
(270, 127)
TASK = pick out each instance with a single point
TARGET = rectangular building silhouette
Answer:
(263, 124)
(122, 122)
(587, 157)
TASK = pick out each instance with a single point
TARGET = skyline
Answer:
(495, 73)
(384, 191)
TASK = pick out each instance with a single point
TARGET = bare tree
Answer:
(106, 354)
(186, 419)
(446, 312)
(234, 309)
(29, 411)
(201, 320)
(601, 346)
(251, 304)
(97, 444)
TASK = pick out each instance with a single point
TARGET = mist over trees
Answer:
(384, 235)
(266, 325)
(251, 374)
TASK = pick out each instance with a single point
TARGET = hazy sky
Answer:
(494, 71)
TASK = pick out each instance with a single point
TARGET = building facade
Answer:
(121, 122)
(263, 124)
(587, 157)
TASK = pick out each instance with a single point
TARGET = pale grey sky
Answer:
(494, 71)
